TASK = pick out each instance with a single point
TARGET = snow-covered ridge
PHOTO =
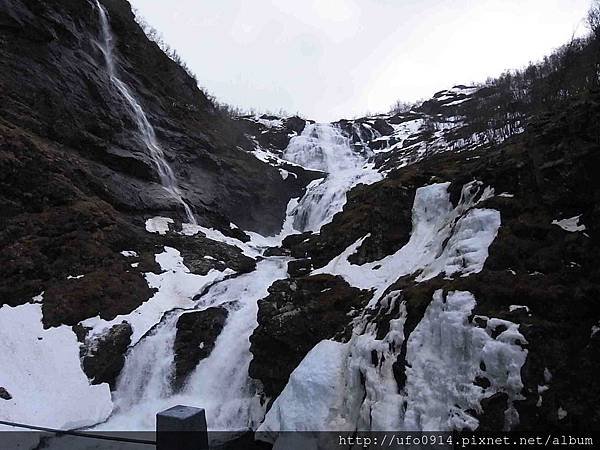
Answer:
(440, 124)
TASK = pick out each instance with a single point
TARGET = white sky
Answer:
(328, 59)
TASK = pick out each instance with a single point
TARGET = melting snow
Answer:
(158, 225)
(443, 240)
(512, 308)
(572, 224)
(176, 289)
(42, 372)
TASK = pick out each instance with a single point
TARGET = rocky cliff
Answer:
(430, 268)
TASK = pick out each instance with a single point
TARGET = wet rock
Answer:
(276, 251)
(104, 359)
(299, 268)
(196, 335)
(201, 254)
(4, 394)
(492, 418)
(295, 316)
(383, 127)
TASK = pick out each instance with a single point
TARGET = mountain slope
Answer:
(434, 268)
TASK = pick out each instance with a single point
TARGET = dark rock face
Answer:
(195, 339)
(201, 254)
(104, 362)
(97, 293)
(299, 268)
(493, 412)
(54, 226)
(384, 210)
(70, 100)
(4, 394)
(297, 314)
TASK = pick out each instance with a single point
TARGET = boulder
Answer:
(196, 335)
(105, 358)
(295, 316)
(4, 394)
(299, 267)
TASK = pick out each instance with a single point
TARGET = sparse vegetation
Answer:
(156, 36)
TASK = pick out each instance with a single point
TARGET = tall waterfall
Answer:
(324, 147)
(165, 172)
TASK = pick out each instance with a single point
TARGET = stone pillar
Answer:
(181, 428)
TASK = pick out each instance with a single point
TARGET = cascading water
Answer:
(165, 172)
(324, 147)
(220, 383)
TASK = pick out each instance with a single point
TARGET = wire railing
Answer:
(184, 425)
(77, 433)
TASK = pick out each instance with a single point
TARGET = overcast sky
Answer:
(328, 59)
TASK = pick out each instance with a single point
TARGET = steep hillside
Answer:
(77, 180)
(432, 268)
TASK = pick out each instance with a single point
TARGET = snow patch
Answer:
(176, 289)
(41, 370)
(158, 224)
(249, 249)
(512, 308)
(561, 413)
(572, 224)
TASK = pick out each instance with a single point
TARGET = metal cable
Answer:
(78, 433)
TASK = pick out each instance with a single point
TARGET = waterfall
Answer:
(324, 147)
(165, 172)
(220, 383)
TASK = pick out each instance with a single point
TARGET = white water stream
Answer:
(324, 147)
(148, 135)
(220, 383)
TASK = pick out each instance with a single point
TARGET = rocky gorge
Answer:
(434, 268)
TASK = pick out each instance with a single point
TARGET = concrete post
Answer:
(181, 428)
